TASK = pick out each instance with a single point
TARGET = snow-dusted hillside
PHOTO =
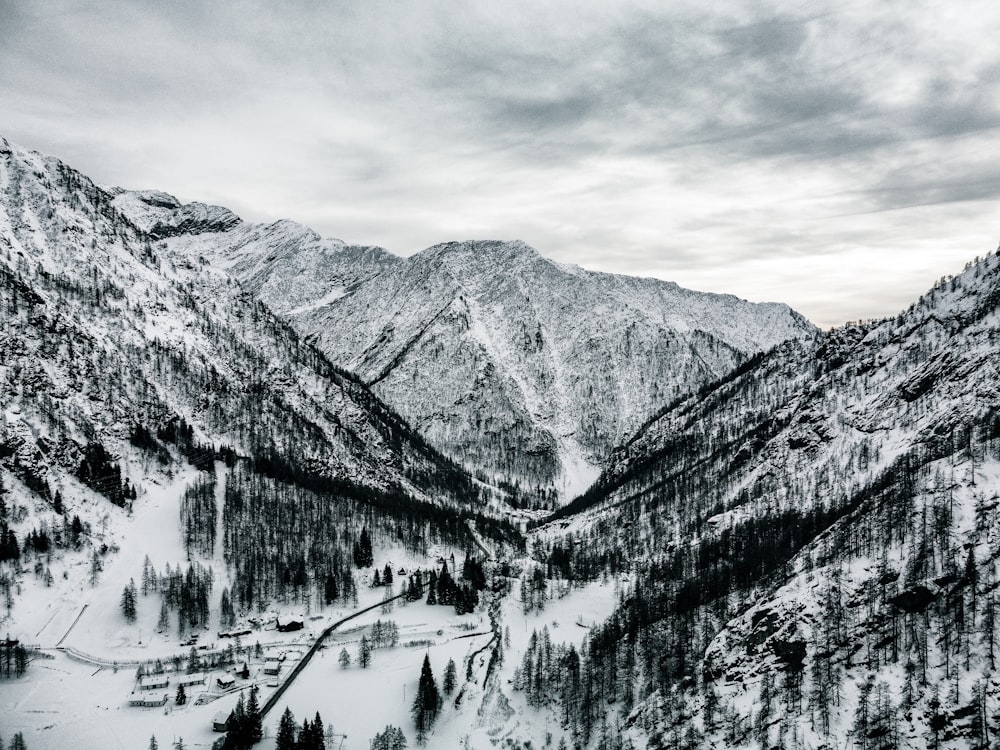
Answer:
(527, 370)
(818, 537)
(106, 329)
(123, 363)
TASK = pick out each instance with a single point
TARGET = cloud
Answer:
(733, 146)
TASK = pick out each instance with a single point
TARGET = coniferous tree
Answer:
(128, 602)
(465, 598)
(163, 623)
(432, 589)
(236, 736)
(316, 736)
(227, 614)
(153, 745)
(286, 739)
(363, 556)
(445, 586)
(330, 589)
(473, 573)
(181, 698)
(390, 738)
(95, 568)
(415, 589)
(148, 576)
(254, 723)
(427, 701)
(20, 660)
(364, 652)
(345, 659)
(305, 736)
(449, 677)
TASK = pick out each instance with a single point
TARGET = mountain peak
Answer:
(526, 368)
(483, 254)
(162, 215)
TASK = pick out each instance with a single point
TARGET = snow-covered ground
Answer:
(76, 691)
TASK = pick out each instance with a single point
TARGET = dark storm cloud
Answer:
(930, 185)
(653, 84)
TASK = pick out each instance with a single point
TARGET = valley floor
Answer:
(77, 688)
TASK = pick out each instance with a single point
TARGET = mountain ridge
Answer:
(523, 369)
(809, 529)
(115, 290)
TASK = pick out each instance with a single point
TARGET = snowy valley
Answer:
(606, 512)
(525, 371)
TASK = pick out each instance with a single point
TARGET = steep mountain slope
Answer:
(519, 367)
(122, 362)
(107, 330)
(818, 538)
(528, 368)
(288, 266)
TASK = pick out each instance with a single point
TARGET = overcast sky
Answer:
(838, 157)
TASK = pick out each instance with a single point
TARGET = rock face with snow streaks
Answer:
(519, 367)
(162, 215)
(827, 515)
(108, 330)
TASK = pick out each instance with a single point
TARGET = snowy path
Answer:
(72, 625)
(304, 661)
(97, 661)
(478, 539)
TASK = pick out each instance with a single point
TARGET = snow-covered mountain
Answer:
(526, 370)
(160, 424)
(797, 544)
(111, 340)
(529, 369)
(817, 533)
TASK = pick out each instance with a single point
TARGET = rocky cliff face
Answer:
(161, 215)
(817, 533)
(523, 369)
(108, 331)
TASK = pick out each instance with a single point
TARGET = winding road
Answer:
(304, 661)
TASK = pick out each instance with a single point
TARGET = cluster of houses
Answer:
(148, 694)
(151, 690)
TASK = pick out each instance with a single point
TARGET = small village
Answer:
(210, 672)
